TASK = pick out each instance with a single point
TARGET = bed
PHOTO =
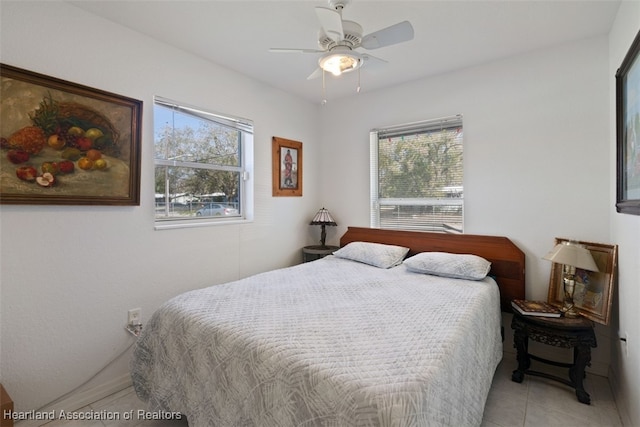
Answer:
(341, 341)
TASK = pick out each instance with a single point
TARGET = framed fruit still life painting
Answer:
(66, 144)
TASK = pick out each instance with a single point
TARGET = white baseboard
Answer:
(623, 410)
(83, 398)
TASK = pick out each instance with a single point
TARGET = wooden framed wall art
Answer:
(66, 144)
(628, 131)
(286, 157)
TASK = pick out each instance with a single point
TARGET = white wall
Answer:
(539, 163)
(537, 150)
(625, 231)
(536, 146)
(70, 273)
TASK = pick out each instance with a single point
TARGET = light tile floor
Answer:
(536, 402)
(539, 402)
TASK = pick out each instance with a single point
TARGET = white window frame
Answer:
(245, 168)
(376, 203)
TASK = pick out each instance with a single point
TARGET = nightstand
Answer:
(312, 253)
(577, 333)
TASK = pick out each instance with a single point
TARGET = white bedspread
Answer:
(327, 343)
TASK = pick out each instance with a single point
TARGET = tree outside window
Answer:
(417, 176)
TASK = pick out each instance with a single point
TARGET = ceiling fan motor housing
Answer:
(352, 37)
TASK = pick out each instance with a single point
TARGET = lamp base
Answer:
(570, 312)
(323, 236)
(569, 307)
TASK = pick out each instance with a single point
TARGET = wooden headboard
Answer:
(507, 260)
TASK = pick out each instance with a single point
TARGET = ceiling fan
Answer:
(339, 38)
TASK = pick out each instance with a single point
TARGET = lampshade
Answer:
(337, 63)
(573, 254)
(323, 217)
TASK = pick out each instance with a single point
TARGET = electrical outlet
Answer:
(624, 343)
(135, 317)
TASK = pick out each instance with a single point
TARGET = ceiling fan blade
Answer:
(317, 73)
(372, 63)
(398, 33)
(331, 22)
(293, 50)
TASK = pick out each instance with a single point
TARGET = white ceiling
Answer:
(449, 35)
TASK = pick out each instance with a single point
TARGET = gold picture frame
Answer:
(286, 157)
(84, 141)
(594, 290)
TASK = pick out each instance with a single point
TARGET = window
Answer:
(202, 165)
(416, 176)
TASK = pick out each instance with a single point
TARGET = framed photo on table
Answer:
(628, 131)
(593, 295)
(286, 157)
(66, 144)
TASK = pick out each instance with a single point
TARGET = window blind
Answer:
(417, 176)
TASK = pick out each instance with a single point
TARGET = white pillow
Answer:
(457, 266)
(376, 254)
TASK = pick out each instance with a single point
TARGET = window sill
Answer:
(170, 225)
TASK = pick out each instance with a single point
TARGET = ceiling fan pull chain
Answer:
(358, 89)
(324, 95)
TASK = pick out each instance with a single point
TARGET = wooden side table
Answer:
(564, 332)
(312, 253)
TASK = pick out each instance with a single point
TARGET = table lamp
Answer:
(323, 218)
(572, 255)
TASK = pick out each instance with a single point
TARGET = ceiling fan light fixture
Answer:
(340, 62)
